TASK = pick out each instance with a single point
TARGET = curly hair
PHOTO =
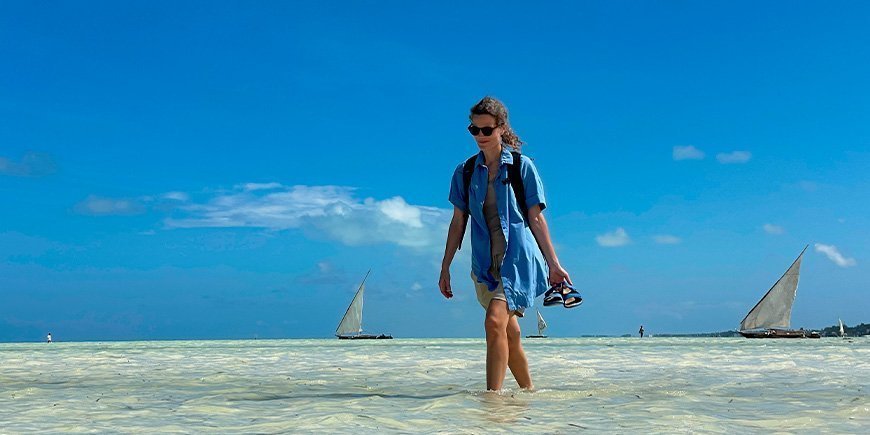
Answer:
(495, 108)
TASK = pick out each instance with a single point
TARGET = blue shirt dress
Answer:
(524, 272)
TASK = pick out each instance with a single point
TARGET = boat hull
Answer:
(365, 337)
(780, 333)
(536, 336)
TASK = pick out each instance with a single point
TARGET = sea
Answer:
(589, 385)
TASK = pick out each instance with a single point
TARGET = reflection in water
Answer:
(504, 407)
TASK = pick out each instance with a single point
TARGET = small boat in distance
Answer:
(542, 325)
(771, 316)
(843, 333)
(350, 326)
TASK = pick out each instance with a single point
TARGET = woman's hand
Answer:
(454, 239)
(558, 275)
(444, 284)
(539, 228)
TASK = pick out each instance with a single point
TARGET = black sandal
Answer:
(553, 296)
(572, 298)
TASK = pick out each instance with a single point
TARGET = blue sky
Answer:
(231, 170)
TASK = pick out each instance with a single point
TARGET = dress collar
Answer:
(506, 156)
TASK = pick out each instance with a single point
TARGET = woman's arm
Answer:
(454, 238)
(539, 228)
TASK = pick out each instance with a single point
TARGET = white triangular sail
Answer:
(542, 325)
(842, 329)
(351, 323)
(774, 309)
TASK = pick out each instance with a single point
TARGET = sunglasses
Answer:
(475, 130)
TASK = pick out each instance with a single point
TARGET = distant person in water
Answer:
(48, 338)
(640, 331)
(508, 269)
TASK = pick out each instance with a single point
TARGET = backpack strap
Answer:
(467, 172)
(516, 179)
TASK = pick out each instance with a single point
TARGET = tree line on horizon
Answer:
(830, 331)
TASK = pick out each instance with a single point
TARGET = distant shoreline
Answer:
(398, 339)
(830, 331)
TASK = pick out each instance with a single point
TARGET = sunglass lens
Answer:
(475, 130)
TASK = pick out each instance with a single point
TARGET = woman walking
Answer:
(499, 193)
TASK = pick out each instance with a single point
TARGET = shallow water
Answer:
(625, 385)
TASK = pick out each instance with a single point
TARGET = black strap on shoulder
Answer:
(467, 171)
(516, 179)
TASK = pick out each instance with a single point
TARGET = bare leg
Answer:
(497, 350)
(517, 361)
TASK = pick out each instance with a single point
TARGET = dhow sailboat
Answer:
(542, 325)
(350, 327)
(771, 316)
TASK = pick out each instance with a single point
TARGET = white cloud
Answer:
(95, 205)
(613, 239)
(416, 286)
(773, 229)
(176, 196)
(323, 211)
(260, 186)
(31, 165)
(834, 255)
(734, 157)
(398, 210)
(688, 152)
(667, 239)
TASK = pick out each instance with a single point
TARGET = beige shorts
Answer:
(484, 296)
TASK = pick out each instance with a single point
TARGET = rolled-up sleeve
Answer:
(457, 190)
(532, 184)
